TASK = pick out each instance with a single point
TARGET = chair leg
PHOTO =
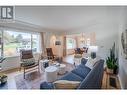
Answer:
(24, 73)
(74, 65)
(38, 68)
(20, 68)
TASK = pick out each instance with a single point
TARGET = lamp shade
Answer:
(93, 48)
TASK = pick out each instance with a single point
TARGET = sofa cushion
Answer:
(71, 77)
(90, 63)
(46, 85)
(65, 84)
(81, 71)
(28, 62)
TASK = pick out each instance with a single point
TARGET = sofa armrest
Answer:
(46, 85)
(94, 78)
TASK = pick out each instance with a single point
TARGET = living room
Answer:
(59, 31)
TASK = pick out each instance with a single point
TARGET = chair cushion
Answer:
(26, 54)
(65, 84)
(71, 77)
(81, 71)
(28, 62)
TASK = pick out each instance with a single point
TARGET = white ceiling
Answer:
(65, 18)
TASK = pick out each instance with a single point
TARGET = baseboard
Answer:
(120, 82)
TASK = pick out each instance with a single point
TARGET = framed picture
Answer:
(124, 43)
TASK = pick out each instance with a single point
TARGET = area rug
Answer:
(34, 79)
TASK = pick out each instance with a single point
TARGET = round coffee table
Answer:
(51, 73)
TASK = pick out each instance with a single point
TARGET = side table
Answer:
(43, 64)
(51, 73)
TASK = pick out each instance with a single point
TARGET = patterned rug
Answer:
(34, 79)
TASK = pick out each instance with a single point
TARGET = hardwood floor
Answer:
(69, 59)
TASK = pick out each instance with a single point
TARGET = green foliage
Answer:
(111, 61)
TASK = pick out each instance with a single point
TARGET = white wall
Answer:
(122, 60)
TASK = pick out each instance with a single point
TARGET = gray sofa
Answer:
(90, 78)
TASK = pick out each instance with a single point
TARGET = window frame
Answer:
(2, 47)
(73, 43)
(21, 31)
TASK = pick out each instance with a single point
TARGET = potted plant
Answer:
(111, 61)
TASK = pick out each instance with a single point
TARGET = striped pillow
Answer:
(28, 62)
(65, 84)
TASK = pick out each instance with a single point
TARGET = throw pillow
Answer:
(95, 60)
(65, 84)
(83, 61)
(91, 62)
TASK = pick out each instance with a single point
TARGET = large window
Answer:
(15, 41)
(71, 43)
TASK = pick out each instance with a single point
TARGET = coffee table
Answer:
(61, 68)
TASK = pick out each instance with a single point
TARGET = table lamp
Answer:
(93, 50)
